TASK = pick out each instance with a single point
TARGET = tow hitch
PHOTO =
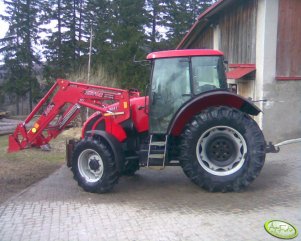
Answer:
(270, 148)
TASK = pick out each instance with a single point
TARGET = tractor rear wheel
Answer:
(93, 166)
(222, 149)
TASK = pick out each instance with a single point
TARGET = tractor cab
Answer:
(177, 77)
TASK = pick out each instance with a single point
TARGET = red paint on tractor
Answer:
(67, 99)
(215, 98)
(183, 53)
(139, 113)
(115, 129)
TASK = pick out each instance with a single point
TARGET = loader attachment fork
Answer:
(61, 105)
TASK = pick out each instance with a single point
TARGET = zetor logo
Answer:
(94, 93)
(100, 94)
(281, 229)
(48, 109)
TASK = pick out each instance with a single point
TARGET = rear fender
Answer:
(202, 102)
(112, 142)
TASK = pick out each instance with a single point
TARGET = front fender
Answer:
(202, 102)
(113, 143)
(94, 122)
(98, 122)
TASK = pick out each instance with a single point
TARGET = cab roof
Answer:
(183, 53)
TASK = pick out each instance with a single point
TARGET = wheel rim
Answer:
(221, 150)
(90, 165)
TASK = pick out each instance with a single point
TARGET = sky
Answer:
(3, 25)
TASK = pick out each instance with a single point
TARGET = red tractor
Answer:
(189, 119)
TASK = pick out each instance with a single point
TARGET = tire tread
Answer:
(252, 134)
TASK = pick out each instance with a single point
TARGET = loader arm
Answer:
(61, 105)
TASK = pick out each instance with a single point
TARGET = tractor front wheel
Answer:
(94, 167)
(222, 149)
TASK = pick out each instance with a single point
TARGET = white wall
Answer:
(281, 119)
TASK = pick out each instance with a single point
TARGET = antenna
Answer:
(90, 52)
(89, 64)
(140, 61)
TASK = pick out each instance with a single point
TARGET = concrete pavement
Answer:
(156, 205)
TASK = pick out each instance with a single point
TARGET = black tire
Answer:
(93, 166)
(222, 149)
(130, 167)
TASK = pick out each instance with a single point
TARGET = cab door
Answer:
(170, 88)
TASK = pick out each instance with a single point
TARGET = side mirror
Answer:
(233, 88)
(226, 64)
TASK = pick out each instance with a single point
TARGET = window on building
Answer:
(289, 40)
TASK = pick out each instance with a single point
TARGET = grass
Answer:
(55, 156)
(97, 77)
(20, 169)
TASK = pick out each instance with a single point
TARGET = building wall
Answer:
(238, 32)
(268, 34)
(233, 31)
(236, 27)
(282, 109)
(205, 40)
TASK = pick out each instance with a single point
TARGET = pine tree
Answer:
(181, 16)
(156, 11)
(119, 36)
(129, 40)
(64, 43)
(18, 46)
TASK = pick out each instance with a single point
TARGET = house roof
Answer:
(238, 71)
(204, 20)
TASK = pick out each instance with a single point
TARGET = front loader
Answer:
(188, 119)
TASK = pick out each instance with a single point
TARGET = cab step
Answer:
(153, 149)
